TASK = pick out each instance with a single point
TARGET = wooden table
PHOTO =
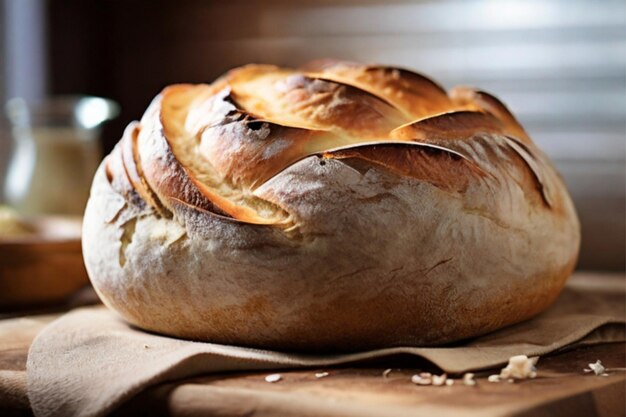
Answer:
(561, 388)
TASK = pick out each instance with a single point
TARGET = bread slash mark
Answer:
(126, 239)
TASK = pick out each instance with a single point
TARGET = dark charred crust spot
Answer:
(239, 114)
(233, 113)
(254, 124)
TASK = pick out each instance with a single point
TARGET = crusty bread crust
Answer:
(336, 208)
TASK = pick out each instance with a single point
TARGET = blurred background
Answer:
(560, 66)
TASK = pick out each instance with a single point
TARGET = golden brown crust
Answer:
(225, 140)
(467, 96)
(336, 207)
(413, 94)
(293, 98)
(434, 165)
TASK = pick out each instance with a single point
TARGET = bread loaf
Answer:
(335, 207)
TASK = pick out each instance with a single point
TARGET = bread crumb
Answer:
(597, 368)
(520, 367)
(493, 378)
(439, 379)
(449, 382)
(321, 374)
(426, 378)
(386, 372)
(468, 379)
(273, 378)
(600, 370)
(420, 380)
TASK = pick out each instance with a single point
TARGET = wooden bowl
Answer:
(44, 267)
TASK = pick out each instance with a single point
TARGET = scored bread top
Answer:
(212, 146)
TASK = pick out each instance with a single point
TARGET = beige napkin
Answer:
(89, 362)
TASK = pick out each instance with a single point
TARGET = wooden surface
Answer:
(43, 267)
(561, 388)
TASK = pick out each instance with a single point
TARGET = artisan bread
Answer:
(330, 208)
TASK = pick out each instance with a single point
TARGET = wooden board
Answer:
(43, 267)
(561, 388)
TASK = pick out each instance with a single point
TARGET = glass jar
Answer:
(56, 152)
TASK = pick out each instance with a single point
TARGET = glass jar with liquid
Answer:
(56, 152)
